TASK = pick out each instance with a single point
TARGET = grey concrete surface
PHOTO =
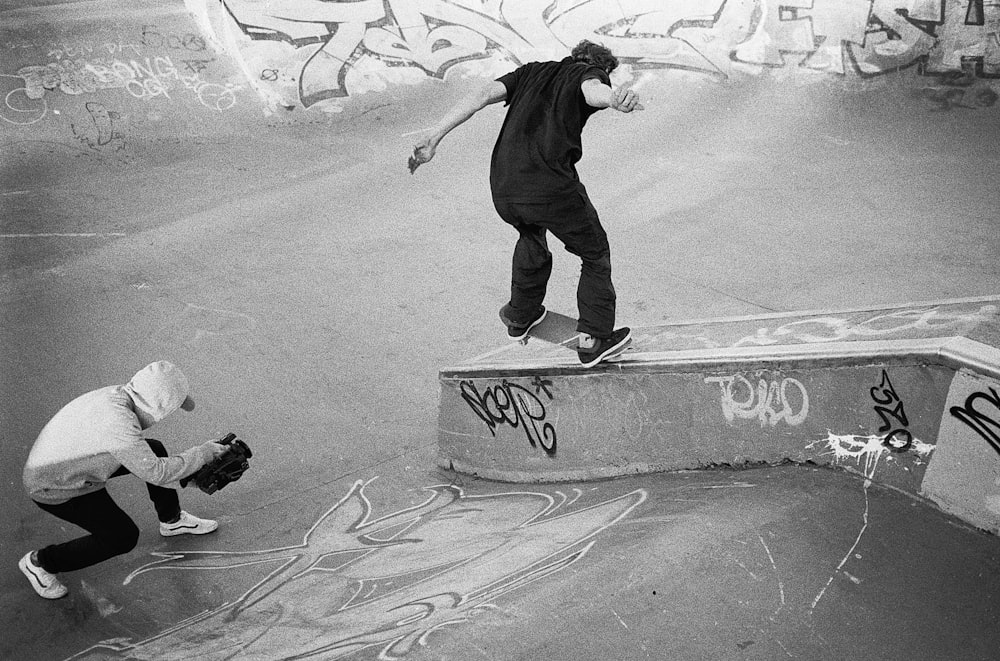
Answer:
(787, 562)
(311, 288)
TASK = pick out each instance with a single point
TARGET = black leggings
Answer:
(112, 531)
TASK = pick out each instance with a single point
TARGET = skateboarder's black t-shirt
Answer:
(535, 156)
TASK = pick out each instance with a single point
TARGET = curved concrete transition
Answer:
(906, 396)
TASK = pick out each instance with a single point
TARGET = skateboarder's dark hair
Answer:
(596, 54)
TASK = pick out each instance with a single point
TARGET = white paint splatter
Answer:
(104, 606)
(752, 575)
(869, 449)
(859, 448)
(781, 585)
(843, 562)
(784, 649)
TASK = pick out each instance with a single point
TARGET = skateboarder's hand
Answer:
(423, 151)
(624, 99)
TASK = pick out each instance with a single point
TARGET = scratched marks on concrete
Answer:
(197, 325)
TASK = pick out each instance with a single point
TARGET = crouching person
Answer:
(94, 438)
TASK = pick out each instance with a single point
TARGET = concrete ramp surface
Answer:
(223, 184)
(772, 563)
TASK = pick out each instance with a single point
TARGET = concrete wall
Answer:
(965, 475)
(591, 425)
(306, 53)
(103, 68)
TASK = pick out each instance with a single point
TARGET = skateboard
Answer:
(557, 328)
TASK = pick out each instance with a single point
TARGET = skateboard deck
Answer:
(555, 328)
(561, 330)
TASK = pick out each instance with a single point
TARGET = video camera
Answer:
(227, 467)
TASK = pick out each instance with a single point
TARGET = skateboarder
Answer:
(536, 188)
(97, 437)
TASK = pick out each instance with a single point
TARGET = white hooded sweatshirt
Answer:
(100, 431)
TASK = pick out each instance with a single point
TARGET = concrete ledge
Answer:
(885, 408)
(954, 352)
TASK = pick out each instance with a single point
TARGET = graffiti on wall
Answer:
(912, 322)
(383, 584)
(305, 52)
(515, 406)
(143, 78)
(929, 321)
(159, 64)
(317, 45)
(889, 407)
(768, 401)
(981, 412)
(103, 131)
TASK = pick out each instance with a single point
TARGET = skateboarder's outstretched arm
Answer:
(599, 95)
(424, 150)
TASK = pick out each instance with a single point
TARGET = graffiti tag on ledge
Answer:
(516, 406)
(899, 439)
(770, 402)
(983, 423)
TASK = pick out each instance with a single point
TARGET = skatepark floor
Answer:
(781, 562)
(311, 288)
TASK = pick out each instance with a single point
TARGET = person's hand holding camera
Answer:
(217, 449)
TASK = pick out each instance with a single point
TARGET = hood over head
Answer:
(157, 390)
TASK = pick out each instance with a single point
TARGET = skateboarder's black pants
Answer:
(574, 221)
(112, 531)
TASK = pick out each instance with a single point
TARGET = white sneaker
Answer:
(46, 585)
(188, 524)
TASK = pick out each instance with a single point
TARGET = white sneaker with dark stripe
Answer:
(188, 524)
(46, 585)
